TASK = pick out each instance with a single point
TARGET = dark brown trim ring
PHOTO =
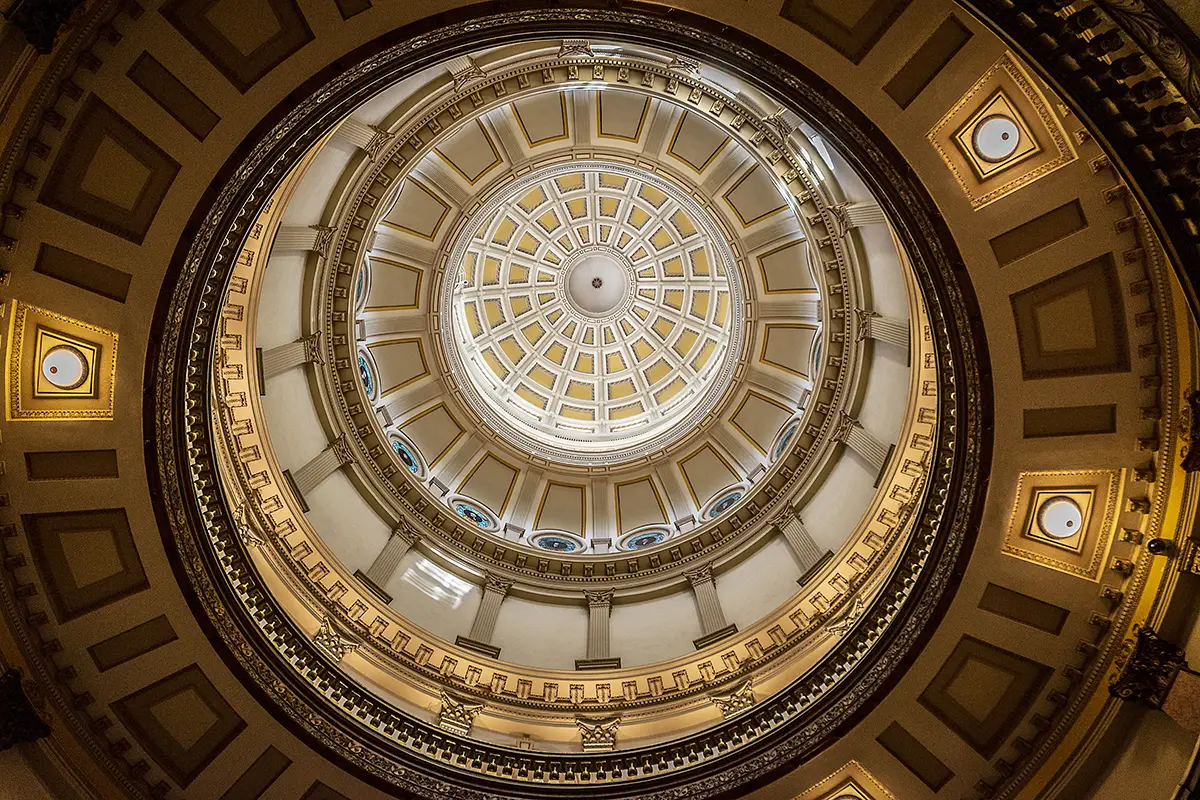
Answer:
(782, 731)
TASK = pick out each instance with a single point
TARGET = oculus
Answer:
(473, 512)
(408, 454)
(644, 537)
(558, 541)
(364, 373)
(784, 438)
(723, 501)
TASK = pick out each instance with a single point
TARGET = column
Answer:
(790, 307)
(864, 212)
(856, 437)
(480, 637)
(363, 136)
(404, 537)
(523, 512)
(870, 325)
(712, 617)
(599, 610)
(324, 464)
(773, 380)
(299, 237)
(798, 539)
(280, 359)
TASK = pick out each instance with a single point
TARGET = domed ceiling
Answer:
(563, 402)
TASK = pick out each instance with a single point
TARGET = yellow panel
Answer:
(613, 363)
(657, 371)
(533, 332)
(623, 240)
(642, 349)
(39, 338)
(683, 223)
(569, 183)
(528, 244)
(673, 267)
(546, 298)
(542, 376)
(531, 397)
(699, 307)
(663, 327)
(584, 234)
(519, 305)
(706, 351)
(579, 390)
(649, 294)
(490, 482)
(494, 312)
(556, 353)
(706, 472)
(554, 316)
(518, 273)
(637, 217)
(574, 412)
(661, 239)
(491, 271)
(670, 390)
(673, 298)
(469, 268)
(589, 335)
(609, 337)
(577, 207)
(532, 200)
(638, 255)
(605, 230)
(610, 181)
(641, 313)
(686, 341)
(549, 221)
(626, 327)
(722, 307)
(621, 389)
(493, 361)
(504, 231)
(625, 412)
(472, 311)
(699, 259)
(512, 349)
(562, 508)
(651, 195)
(565, 243)
(569, 329)
(646, 272)
(638, 503)
(434, 431)
(585, 362)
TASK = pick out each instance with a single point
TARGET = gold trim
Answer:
(600, 121)
(461, 431)
(706, 446)
(511, 484)
(666, 518)
(763, 271)
(671, 147)
(747, 223)
(405, 340)
(496, 153)
(566, 134)
(733, 417)
(437, 226)
(416, 291)
(583, 497)
(762, 356)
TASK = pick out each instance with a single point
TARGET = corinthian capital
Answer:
(602, 598)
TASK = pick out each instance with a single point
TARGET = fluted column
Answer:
(404, 537)
(363, 136)
(870, 325)
(790, 307)
(858, 439)
(599, 608)
(280, 359)
(324, 464)
(865, 212)
(480, 636)
(303, 237)
(798, 539)
(712, 617)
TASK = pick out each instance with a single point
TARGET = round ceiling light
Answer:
(65, 367)
(996, 138)
(1060, 517)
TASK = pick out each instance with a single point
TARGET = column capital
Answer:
(312, 348)
(599, 599)
(323, 239)
(496, 584)
(784, 516)
(845, 424)
(341, 448)
(376, 143)
(406, 531)
(862, 323)
(700, 575)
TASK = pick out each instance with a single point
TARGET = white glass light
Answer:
(1060, 517)
(996, 138)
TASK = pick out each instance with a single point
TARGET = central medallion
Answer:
(596, 312)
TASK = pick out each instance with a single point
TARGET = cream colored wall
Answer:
(18, 781)
(1151, 763)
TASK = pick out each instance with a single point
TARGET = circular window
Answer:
(723, 501)
(364, 372)
(473, 512)
(558, 541)
(408, 455)
(1060, 517)
(65, 367)
(786, 434)
(996, 138)
(644, 537)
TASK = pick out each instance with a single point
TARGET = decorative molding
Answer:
(457, 716)
(739, 700)
(245, 526)
(1150, 666)
(846, 622)
(599, 599)
(464, 71)
(333, 642)
(598, 736)
(312, 348)
(575, 47)
(688, 66)
(341, 449)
